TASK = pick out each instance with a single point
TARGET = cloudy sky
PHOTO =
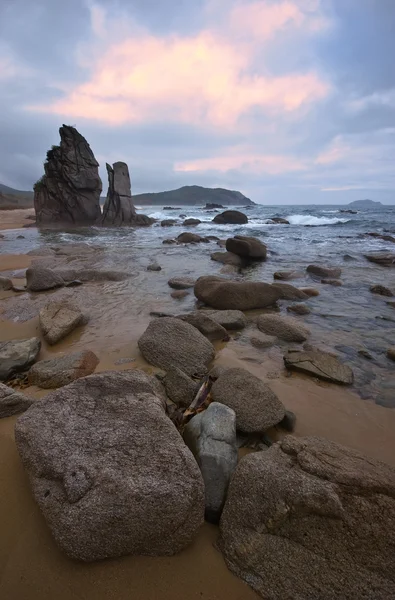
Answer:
(288, 101)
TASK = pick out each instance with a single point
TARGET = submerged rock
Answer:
(190, 238)
(224, 294)
(179, 294)
(385, 260)
(228, 258)
(309, 519)
(231, 217)
(279, 221)
(334, 282)
(230, 319)
(290, 292)
(69, 192)
(192, 222)
(262, 341)
(58, 319)
(62, 370)
(12, 402)
(299, 309)
(211, 437)
(109, 470)
(118, 208)
(206, 325)
(181, 283)
(391, 353)
(381, 290)
(247, 247)
(287, 275)
(17, 356)
(324, 272)
(319, 364)
(285, 328)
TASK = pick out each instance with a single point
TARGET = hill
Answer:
(191, 195)
(364, 204)
(11, 199)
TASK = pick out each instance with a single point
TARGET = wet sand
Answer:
(15, 219)
(33, 568)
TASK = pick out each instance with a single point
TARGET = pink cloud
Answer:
(250, 163)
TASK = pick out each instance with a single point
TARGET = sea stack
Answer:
(69, 191)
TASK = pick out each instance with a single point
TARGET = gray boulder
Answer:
(247, 247)
(12, 402)
(206, 325)
(257, 408)
(39, 279)
(109, 470)
(17, 356)
(69, 191)
(181, 283)
(311, 520)
(285, 328)
(290, 292)
(224, 294)
(319, 364)
(62, 370)
(170, 342)
(58, 319)
(324, 272)
(211, 437)
(5, 284)
(230, 319)
(190, 238)
(180, 388)
(231, 217)
(192, 222)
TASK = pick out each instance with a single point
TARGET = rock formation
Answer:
(69, 191)
(118, 207)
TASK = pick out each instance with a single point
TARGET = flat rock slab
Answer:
(62, 370)
(319, 364)
(221, 293)
(311, 520)
(58, 319)
(256, 406)
(181, 283)
(108, 469)
(17, 356)
(170, 342)
(285, 328)
(12, 402)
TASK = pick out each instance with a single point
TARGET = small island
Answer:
(364, 204)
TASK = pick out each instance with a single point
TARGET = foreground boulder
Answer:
(224, 294)
(318, 523)
(247, 247)
(62, 370)
(211, 437)
(118, 208)
(324, 272)
(231, 217)
(58, 319)
(257, 408)
(285, 328)
(17, 356)
(109, 470)
(319, 364)
(69, 192)
(39, 279)
(206, 325)
(230, 319)
(170, 342)
(12, 402)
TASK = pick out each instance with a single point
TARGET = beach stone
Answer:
(58, 319)
(17, 356)
(262, 341)
(108, 469)
(192, 222)
(168, 222)
(221, 293)
(309, 519)
(211, 437)
(299, 309)
(180, 388)
(5, 284)
(154, 267)
(279, 221)
(179, 294)
(335, 282)
(12, 402)
(257, 408)
(206, 325)
(319, 364)
(170, 342)
(285, 328)
(231, 217)
(311, 292)
(385, 260)
(290, 292)
(169, 242)
(287, 275)
(381, 290)
(62, 370)
(230, 319)
(181, 283)
(190, 238)
(247, 247)
(39, 279)
(324, 272)
(228, 258)
(391, 353)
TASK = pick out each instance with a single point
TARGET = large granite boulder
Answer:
(319, 364)
(169, 342)
(39, 279)
(211, 437)
(69, 191)
(108, 469)
(247, 247)
(12, 402)
(256, 406)
(311, 520)
(240, 295)
(17, 356)
(62, 370)
(285, 328)
(231, 217)
(58, 319)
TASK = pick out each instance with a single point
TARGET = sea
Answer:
(350, 320)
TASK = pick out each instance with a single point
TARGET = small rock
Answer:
(206, 325)
(348, 257)
(211, 437)
(192, 222)
(58, 319)
(385, 260)
(299, 309)
(335, 282)
(17, 356)
(311, 292)
(181, 283)
(228, 258)
(287, 275)
(324, 272)
(391, 353)
(230, 319)
(290, 292)
(180, 388)
(39, 279)
(5, 284)
(381, 290)
(168, 222)
(365, 354)
(62, 370)
(169, 241)
(154, 267)
(391, 304)
(263, 341)
(279, 221)
(190, 238)
(12, 402)
(232, 217)
(179, 294)
(20, 237)
(319, 364)
(285, 328)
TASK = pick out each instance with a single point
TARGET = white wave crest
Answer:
(311, 220)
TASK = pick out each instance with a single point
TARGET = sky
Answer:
(288, 101)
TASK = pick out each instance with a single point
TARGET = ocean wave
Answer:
(311, 220)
